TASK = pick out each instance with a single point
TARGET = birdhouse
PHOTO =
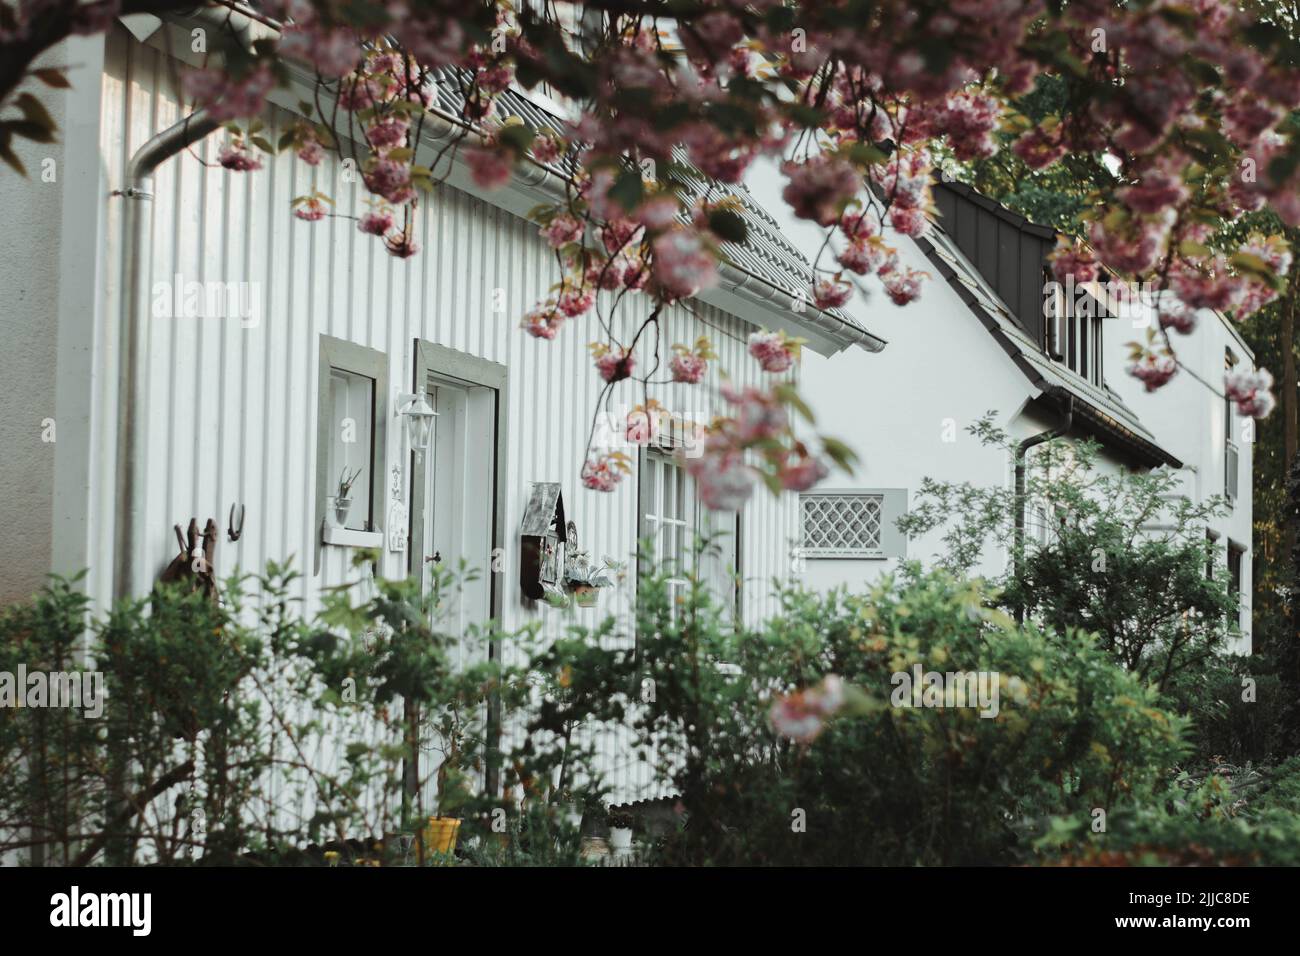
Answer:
(543, 537)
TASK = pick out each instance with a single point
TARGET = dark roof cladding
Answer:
(992, 258)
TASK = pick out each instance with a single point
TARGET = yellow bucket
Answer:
(440, 834)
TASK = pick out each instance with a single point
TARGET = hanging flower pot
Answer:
(585, 595)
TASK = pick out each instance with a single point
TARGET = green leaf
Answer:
(628, 189)
(517, 137)
(727, 225)
(53, 77)
(9, 156)
(35, 112)
(261, 143)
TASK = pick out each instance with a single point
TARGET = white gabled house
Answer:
(986, 335)
(272, 354)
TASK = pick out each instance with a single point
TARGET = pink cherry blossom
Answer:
(574, 302)
(771, 351)
(376, 222)
(803, 474)
(615, 366)
(902, 287)
(311, 152)
(390, 179)
(820, 188)
(1153, 371)
(682, 265)
(801, 716)
(236, 156)
(561, 231)
(722, 481)
(1251, 391)
(688, 369)
(601, 473)
(226, 96)
(312, 210)
(543, 322)
(1071, 259)
(490, 168)
(831, 294)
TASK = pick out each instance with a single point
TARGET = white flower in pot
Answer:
(583, 579)
(620, 833)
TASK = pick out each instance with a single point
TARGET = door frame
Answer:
(433, 359)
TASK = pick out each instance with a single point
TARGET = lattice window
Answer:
(843, 525)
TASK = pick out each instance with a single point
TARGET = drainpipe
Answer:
(1022, 450)
(130, 420)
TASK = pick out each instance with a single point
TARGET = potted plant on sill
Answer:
(583, 580)
(343, 498)
(620, 832)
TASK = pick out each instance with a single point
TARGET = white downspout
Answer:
(130, 420)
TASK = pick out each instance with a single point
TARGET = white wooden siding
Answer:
(231, 410)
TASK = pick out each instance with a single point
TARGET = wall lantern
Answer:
(418, 414)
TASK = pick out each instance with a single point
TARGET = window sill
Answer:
(864, 556)
(350, 538)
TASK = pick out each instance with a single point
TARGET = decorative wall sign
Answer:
(398, 523)
(397, 527)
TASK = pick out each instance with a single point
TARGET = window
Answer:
(672, 519)
(852, 524)
(1236, 554)
(1074, 328)
(351, 432)
(352, 417)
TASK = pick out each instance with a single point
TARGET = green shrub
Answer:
(882, 784)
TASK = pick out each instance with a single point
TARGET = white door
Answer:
(459, 503)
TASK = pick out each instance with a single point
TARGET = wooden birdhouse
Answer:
(543, 535)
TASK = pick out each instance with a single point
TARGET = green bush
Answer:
(882, 784)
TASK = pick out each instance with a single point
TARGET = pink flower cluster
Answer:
(1153, 370)
(820, 188)
(772, 350)
(227, 96)
(561, 231)
(614, 366)
(603, 472)
(683, 266)
(688, 369)
(236, 156)
(1251, 391)
(802, 715)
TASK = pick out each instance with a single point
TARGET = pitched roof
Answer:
(766, 257)
(1096, 407)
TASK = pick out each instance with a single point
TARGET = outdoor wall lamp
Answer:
(418, 415)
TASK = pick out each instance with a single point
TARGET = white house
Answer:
(978, 340)
(178, 344)
(272, 353)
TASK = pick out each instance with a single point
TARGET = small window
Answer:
(1236, 554)
(842, 525)
(350, 452)
(351, 430)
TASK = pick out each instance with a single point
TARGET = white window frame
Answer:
(344, 356)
